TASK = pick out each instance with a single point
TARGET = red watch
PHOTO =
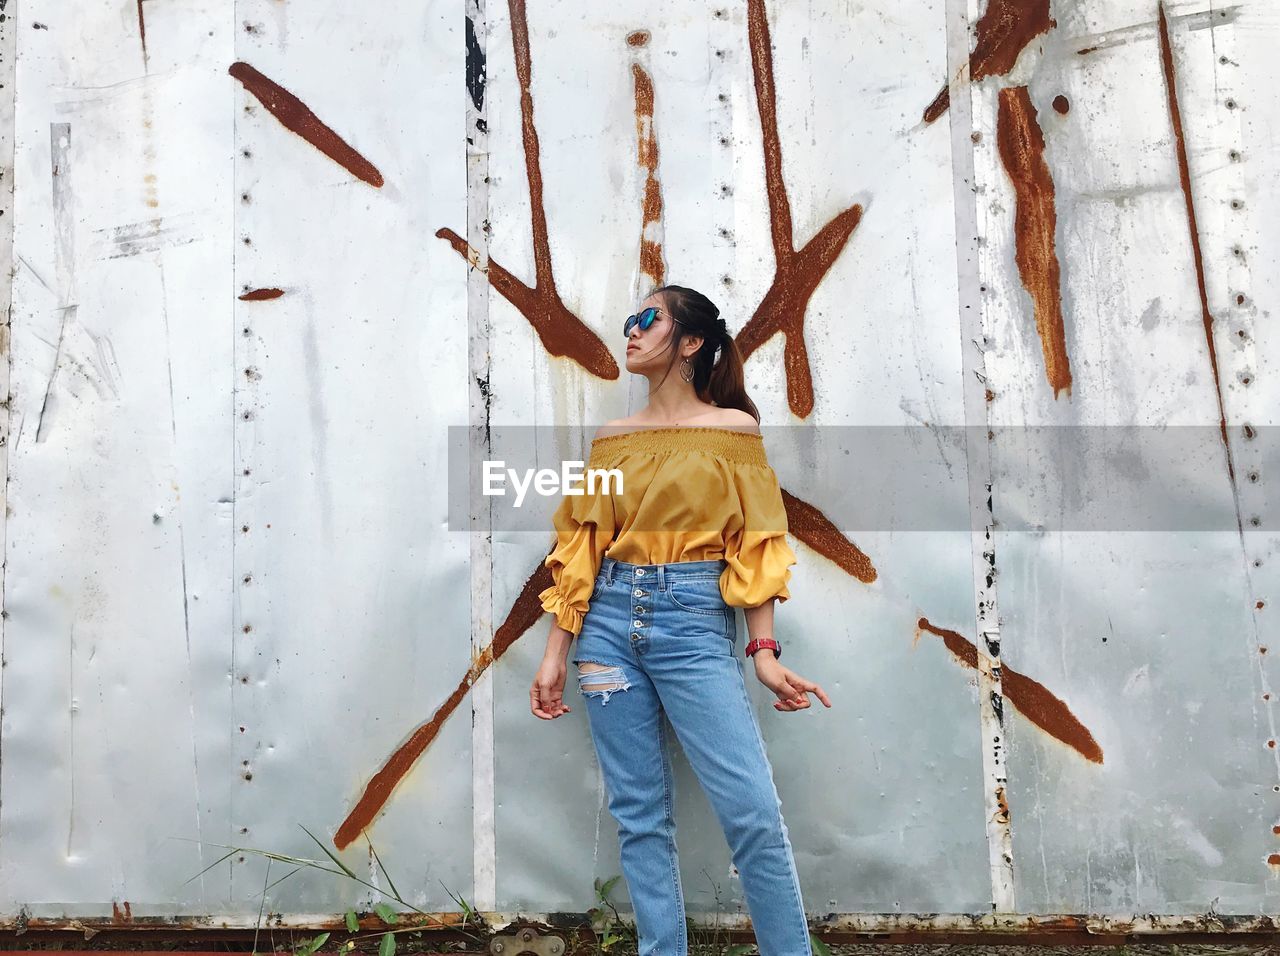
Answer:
(756, 643)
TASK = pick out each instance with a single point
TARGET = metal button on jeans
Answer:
(636, 624)
(638, 593)
(639, 572)
(639, 609)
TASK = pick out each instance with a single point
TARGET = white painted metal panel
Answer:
(244, 320)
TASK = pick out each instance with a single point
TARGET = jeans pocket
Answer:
(698, 596)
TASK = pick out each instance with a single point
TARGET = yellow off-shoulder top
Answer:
(689, 493)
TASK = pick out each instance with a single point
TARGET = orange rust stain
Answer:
(1276, 830)
(1274, 859)
(1262, 649)
(261, 295)
(561, 332)
(1031, 697)
(651, 263)
(1086, 51)
(119, 916)
(638, 38)
(1260, 605)
(1022, 152)
(295, 116)
(1271, 744)
(1184, 176)
(1062, 104)
(816, 530)
(142, 33)
(1004, 31)
(1002, 803)
(523, 615)
(797, 272)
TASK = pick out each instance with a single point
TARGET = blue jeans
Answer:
(667, 638)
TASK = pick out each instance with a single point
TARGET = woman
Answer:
(647, 579)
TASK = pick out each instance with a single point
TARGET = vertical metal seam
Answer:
(9, 55)
(480, 537)
(960, 15)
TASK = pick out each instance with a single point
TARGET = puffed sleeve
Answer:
(756, 547)
(584, 529)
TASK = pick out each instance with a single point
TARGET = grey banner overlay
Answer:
(913, 477)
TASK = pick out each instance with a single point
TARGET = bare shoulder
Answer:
(738, 420)
(613, 427)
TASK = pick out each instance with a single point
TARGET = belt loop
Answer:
(662, 577)
(609, 565)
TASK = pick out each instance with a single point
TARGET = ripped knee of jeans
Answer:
(600, 680)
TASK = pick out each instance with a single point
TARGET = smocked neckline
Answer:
(679, 428)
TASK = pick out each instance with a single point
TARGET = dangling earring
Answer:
(686, 370)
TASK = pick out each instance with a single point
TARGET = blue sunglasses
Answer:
(644, 319)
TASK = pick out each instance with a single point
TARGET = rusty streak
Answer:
(561, 332)
(1004, 30)
(295, 116)
(1184, 176)
(142, 32)
(523, 615)
(1031, 697)
(261, 295)
(815, 529)
(1021, 146)
(651, 262)
(797, 272)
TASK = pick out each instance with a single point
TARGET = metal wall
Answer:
(264, 254)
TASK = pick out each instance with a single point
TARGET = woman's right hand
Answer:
(546, 697)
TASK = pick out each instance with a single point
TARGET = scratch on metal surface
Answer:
(797, 273)
(1033, 699)
(149, 235)
(652, 265)
(1021, 145)
(1190, 21)
(64, 251)
(298, 118)
(1184, 177)
(561, 332)
(1004, 31)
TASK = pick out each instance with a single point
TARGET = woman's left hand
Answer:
(791, 688)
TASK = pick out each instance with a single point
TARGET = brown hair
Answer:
(717, 380)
